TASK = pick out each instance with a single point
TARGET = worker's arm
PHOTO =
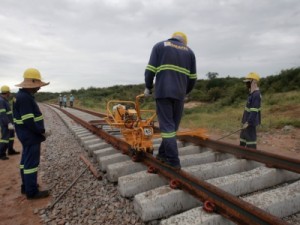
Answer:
(4, 120)
(151, 68)
(31, 116)
(193, 74)
(254, 109)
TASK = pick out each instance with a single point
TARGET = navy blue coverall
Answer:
(173, 65)
(29, 125)
(7, 136)
(252, 116)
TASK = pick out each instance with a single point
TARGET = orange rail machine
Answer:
(136, 124)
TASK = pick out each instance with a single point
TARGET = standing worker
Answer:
(65, 101)
(6, 125)
(251, 117)
(60, 100)
(173, 64)
(29, 124)
(71, 100)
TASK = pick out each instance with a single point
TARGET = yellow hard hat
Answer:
(5, 89)
(32, 79)
(252, 76)
(180, 35)
(32, 73)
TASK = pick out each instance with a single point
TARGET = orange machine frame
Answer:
(127, 116)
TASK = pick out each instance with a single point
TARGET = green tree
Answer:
(212, 75)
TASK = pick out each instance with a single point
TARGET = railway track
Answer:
(267, 186)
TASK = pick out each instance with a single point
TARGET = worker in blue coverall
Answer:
(173, 64)
(29, 125)
(6, 125)
(65, 101)
(252, 116)
(60, 100)
(71, 100)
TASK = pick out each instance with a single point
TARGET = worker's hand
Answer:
(245, 125)
(186, 99)
(47, 133)
(11, 126)
(147, 92)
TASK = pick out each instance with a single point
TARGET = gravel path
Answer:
(89, 201)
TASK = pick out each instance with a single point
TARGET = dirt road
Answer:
(15, 208)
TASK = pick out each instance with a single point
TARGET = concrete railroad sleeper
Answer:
(215, 199)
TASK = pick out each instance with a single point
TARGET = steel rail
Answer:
(90, 112)
(270, 159)
(115, 142)
(228, 205)
(224, 203)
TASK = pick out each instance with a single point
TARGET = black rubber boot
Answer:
(13, 152)
(39, 194)
(4, 157)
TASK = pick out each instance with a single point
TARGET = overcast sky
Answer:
(101, 43)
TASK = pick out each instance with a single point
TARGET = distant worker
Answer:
(173, 64)
(71, 100)
(6, 124)
(29, 124)
(65, 101)
(251, 117)
(60, 100)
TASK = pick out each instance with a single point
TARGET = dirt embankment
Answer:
(280, 141)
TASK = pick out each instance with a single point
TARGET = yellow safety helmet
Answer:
(32, 73)
(182, 36)
(252, 76)
(32, 79)
(5, 89)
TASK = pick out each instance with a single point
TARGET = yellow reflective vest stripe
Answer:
(28, 116)
(168, 135)
(30, 171)
(172, 67)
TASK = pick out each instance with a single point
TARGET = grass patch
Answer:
(226, 119)
(278, 110)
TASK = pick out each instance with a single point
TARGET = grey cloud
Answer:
(102, 43)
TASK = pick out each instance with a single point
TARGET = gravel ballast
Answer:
(89, 201)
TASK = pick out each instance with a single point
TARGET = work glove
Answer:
(186, 99)
(147, 92)
(245, 125)
(10, 126)
(47, 133)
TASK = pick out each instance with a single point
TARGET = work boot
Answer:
(4, 157)
(23, 189)
(175, 167)
(39, 194)
(160, 158)
(13, 152)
